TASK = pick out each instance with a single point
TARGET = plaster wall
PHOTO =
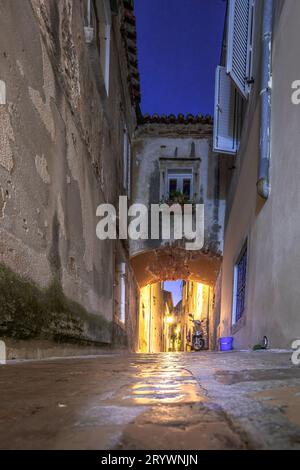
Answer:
(162, 146)
(61, 149)
(272, 228)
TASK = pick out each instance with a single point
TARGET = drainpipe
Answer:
(263, 183)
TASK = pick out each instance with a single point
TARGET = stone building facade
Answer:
(259, 292)
(169, 152)
(151, 319)
(72, 88)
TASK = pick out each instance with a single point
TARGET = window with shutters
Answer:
(180, 181)
(97, 30)
(239, 43)
(239, 286)
(228, 110)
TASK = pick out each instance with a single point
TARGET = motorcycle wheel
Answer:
(199, 345)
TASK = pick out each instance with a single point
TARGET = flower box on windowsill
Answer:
(178, 198)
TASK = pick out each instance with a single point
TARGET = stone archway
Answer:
(199, 269)
(174, 262)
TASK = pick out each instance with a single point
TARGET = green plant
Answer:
(258, 347)
(177, 197)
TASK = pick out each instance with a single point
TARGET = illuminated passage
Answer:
(170, 313)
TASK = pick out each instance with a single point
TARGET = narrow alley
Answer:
(170, 319)
(237, 400)
(149, 225)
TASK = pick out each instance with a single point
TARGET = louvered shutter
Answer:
(226, 121)
(239, 43)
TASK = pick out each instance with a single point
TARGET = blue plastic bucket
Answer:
(226, 344)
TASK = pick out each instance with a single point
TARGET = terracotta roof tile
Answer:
(173, 119)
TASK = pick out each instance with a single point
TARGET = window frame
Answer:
(105, 24)
(97, 28)
(244, 252)
(180, 175)
(89, 21)
(228, 105)
(88, 13)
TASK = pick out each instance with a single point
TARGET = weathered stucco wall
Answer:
(272, 228)
(61, 147)
(179, 146)
(151, 319)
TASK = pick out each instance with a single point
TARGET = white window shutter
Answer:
(238, 43)
(226, 120)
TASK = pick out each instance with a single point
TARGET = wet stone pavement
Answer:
(205, 400)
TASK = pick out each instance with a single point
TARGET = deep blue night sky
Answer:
(179, 46)
(175, 288)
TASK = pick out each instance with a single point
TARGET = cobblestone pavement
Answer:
(238, 400)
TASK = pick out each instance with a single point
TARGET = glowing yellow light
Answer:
(169, 320)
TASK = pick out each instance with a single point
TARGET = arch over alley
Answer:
(174, 262)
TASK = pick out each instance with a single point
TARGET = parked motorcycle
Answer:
(198, 342)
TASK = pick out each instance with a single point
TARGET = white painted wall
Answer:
(273, 228)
